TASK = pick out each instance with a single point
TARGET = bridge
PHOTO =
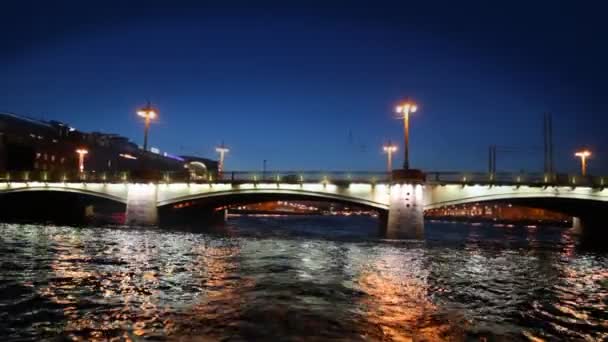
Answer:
(401, 203)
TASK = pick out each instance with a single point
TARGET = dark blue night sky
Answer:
(312, 85)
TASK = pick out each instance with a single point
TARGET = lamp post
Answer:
(148, 113)
(81, 153)
(222, 150)
(405, 109)
(389, 149)
(584, 154)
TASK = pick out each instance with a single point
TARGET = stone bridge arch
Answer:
(62, 203)
(445, 195)
(93, 190)
(588, 206)
(234, 197)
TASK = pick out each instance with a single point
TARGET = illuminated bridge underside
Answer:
(444, 195)
(376, 196)
(115, 192)
(404, 203)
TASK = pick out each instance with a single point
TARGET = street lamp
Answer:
(584, 154)
(81, 153)
(148, 113)
(405, 109)
(389, 149)
(222, 150)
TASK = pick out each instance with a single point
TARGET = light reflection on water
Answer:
(299, 278)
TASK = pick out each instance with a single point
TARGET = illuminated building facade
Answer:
(34, 145)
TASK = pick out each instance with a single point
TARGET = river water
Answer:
(300, 278)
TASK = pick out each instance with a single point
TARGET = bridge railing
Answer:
(175, 177)
(464, 178)
(305, 176)
(510, 178)
(63, 176)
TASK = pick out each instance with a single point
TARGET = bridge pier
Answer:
(406, 212)
(591, 231)
(141, 204)
(577, 225)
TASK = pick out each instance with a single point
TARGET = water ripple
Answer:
(463, 283)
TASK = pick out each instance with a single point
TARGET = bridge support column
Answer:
(141, 204)
(406, 212)
(591, 231)
(577, 225)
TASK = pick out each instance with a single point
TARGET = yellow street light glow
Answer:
(148, 113)
(583, 154)
(81, 153)
(222, 150)
(404, 110)
(389, 149)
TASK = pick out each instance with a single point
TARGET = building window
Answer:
(62, 160)
(53, 158)
(38, 155)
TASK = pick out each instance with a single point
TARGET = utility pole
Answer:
(545, 144)
(492, 159)
(548, 143)
(551, 164)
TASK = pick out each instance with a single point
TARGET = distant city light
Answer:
(169, 155)
(389, 149)
(127, 156)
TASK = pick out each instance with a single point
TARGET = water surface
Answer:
(297, 278)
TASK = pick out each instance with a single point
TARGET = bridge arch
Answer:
(60, 204)
(64, 189)
(246, 196)
(575, 201)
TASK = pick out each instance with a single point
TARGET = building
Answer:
(34, 145)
